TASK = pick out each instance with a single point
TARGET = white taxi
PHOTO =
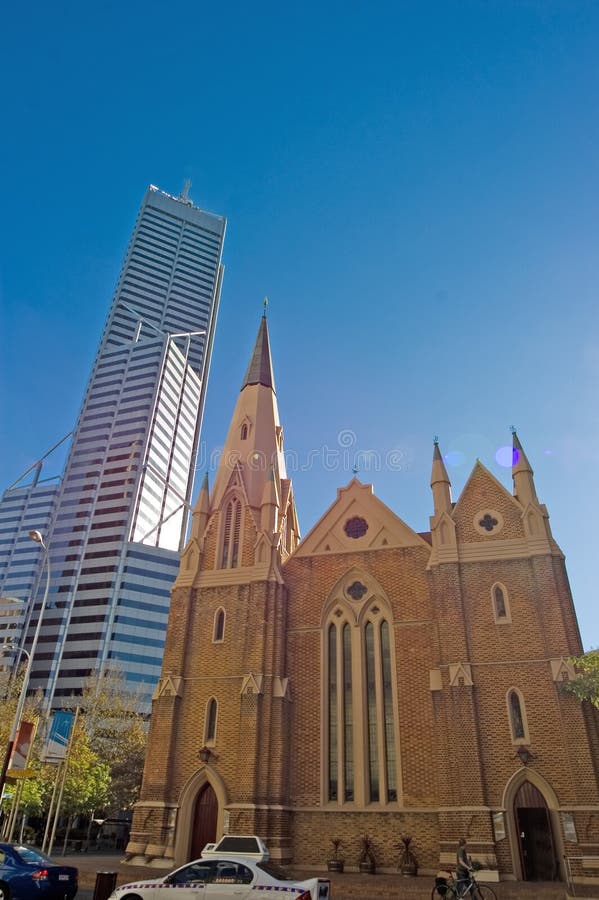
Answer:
(244, 874)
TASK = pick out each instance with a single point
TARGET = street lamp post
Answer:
(37, 537)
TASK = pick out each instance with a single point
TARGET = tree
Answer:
(586, 685)
(117, 730)
(107, 752)
(87, 780)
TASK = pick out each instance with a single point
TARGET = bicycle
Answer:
(447, 889)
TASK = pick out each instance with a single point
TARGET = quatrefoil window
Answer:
(357, 590)
(488, 522)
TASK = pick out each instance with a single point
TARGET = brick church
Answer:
(369, 679)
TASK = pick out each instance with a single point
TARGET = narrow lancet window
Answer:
(373, 764)
(348, 718)
(211, 712)
(390, 758)
(231, 533)
(516, 717)
(219, 625)
(499, 599)
(333, 730)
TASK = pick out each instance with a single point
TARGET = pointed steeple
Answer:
(440, 483)
(259, 370)
(522, 474)
(254, 445)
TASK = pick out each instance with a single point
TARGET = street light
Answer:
(37, 537)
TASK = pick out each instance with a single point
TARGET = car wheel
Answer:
(126, 897)
(4, 891)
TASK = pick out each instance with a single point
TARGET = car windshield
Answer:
(29, 855)
(276, 871)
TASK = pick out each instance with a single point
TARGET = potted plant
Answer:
(367, 861)
(335, 864)
(408, 864)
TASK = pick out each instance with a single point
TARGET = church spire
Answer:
(254, 446)
(440, 483)
(522, 474)
(259, 370)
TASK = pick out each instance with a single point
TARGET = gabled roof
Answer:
(486, 511)
(357, 521)
(494, 484)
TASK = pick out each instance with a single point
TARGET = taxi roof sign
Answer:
(248, 845)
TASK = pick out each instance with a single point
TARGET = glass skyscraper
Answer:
(120, 514)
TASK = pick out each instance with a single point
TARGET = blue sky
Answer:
(414, 185)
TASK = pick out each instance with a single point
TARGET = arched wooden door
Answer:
(205, 818)
(537, 848)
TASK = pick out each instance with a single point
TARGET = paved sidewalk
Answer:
(349, 886)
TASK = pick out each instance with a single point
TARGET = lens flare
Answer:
(454, 458)
(507, 457)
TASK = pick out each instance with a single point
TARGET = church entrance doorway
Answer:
(537, 852)
(205, 818)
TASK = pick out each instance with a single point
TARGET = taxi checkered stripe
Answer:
(160, 885)
(275, 887)
(188, 884)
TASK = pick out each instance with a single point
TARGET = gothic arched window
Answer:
(517, 716)
(219, 625)
(333, 699)
(230, 535)
(244, 432)
(501, 605)
(388, 723)
(363, 695)
(210, 724)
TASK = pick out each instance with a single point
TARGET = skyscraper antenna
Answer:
(184, 195)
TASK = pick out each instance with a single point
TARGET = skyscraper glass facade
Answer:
(120, 515)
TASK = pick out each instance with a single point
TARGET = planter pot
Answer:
(367, 866)
(409, 869)
(335, 865)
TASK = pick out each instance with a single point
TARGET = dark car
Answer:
(26, 874)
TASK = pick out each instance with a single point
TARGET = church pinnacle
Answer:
(440, 483)
(522, 474)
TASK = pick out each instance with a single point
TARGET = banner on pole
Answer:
(57, 741)
(17, 767)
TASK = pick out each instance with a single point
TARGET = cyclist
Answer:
(463, 869)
